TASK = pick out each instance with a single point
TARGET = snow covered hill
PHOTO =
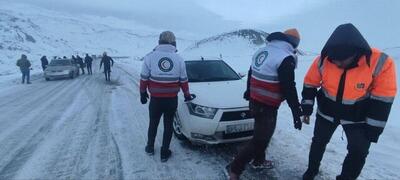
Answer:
(235, 47)
(35, 31)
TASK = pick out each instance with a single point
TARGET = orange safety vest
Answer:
(367, 90)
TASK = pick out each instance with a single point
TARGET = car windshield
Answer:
(210, 70)
(60, 63)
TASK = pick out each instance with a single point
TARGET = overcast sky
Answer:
(197, 16)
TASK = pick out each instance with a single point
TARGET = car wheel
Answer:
(177, 129)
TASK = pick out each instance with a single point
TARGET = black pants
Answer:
(89, 68)
(357, 147)
(161, 107)
(83, 69)
(264, 127)
(107, 73)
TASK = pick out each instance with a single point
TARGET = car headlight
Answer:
(202, 111)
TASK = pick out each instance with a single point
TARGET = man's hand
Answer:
(143, 97)
(189, 97)
(297, 113)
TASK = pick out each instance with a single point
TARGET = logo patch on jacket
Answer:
(165, 64)
(360, 86)
(260, 58)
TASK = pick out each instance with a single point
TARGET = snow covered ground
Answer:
(89, 129)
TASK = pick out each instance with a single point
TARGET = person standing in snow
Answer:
(88, 62)
(45, 62)
(271, 80)
(81, 64)
(357, 86)
(163, 74)
(24, 65)
(108, 62)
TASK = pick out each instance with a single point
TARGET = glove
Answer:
(189, 97)
(297, 113)
(143, 97)
(246, 95)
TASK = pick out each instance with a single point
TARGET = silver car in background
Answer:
(61, 68)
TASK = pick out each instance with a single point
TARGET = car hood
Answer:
(223, 94)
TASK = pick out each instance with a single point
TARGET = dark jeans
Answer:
(25, 75)
(357, 146)
(161, 107)
(264, 127)
(107, 73)
(89, 68)
(83, 69)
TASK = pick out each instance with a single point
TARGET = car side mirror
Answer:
(242, 75)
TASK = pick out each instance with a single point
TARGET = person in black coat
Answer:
(108, 62)
(81, 64)
(45, 62)
(88, 61)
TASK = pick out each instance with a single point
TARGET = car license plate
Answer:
(239, 128)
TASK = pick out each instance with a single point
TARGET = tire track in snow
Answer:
(25, 151)
(89, 150)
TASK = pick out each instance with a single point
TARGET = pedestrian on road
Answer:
(88, 62)
(45, 62)
(163, 74)
(108, 63)
(24, 65)
(271, 80)
(355, 86)
(81, 64)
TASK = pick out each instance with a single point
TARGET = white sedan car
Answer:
(61, 68)
(219, 114)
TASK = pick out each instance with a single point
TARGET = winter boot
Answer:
(165, 154)
(149, 150)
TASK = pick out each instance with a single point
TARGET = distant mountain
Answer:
(254, 37)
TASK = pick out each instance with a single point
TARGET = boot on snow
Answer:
(149, 150)
(165, 155)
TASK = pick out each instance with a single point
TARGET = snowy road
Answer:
(86, 128)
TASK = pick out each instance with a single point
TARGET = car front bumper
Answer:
(57, 75)
(218, 130)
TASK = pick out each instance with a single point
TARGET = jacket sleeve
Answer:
(287, 81)
(383, 91)
(144, 76)
(183, 79)
(312, 81)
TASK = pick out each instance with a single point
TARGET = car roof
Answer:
(61, 59)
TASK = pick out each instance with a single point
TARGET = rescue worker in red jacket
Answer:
(271, 80)
(163, 74)
(355, 86)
